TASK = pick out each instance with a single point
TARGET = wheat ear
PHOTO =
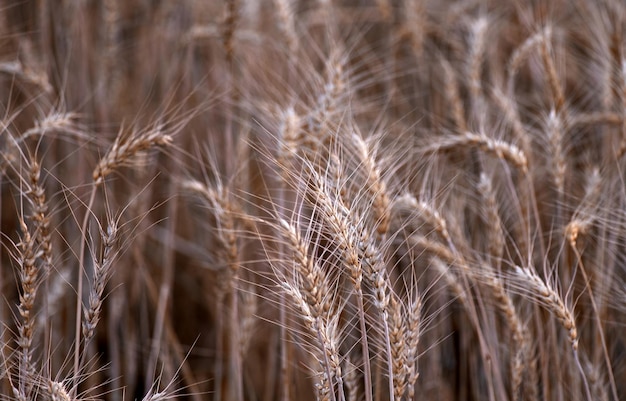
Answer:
(375, 185)
(495, 234)
(287, 25)
(335, 214)
(121, 153)
(125, 148)
(478, 35)
(40, 218)
(398, 347)
(102, 272)
(424, 211)
(29, 279)
(584, 216)
(499, 148)
(413, 333)
(551, 300)
(558, 96)
(520, 55)
(219, 200)
(325, 331)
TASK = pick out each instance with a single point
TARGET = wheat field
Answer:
(338, 200)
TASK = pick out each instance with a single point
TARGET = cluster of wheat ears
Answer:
(313, 200)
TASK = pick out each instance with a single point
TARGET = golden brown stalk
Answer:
(376, 276)
(437, 249)
(230, 27)
(112, 28)
(289, 141)
(622, 95)
(248, 310)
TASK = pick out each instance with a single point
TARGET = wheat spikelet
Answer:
(585, 215)
(334, 91)
(478, 34)
(398, 347)
(554, 128)
(558, 97)
(125, 148)
(324, 330)
(500, 149)
(520, 55)
(55, 121)
(29, 281)
(40, 215)
(551, 300)
(102, 272)
(341, 223)
(412, 334)
(286, 23)
(451, 90)
(375, 185)
(495, 234)
(58, 392)
(424, 211)
(312, 281)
